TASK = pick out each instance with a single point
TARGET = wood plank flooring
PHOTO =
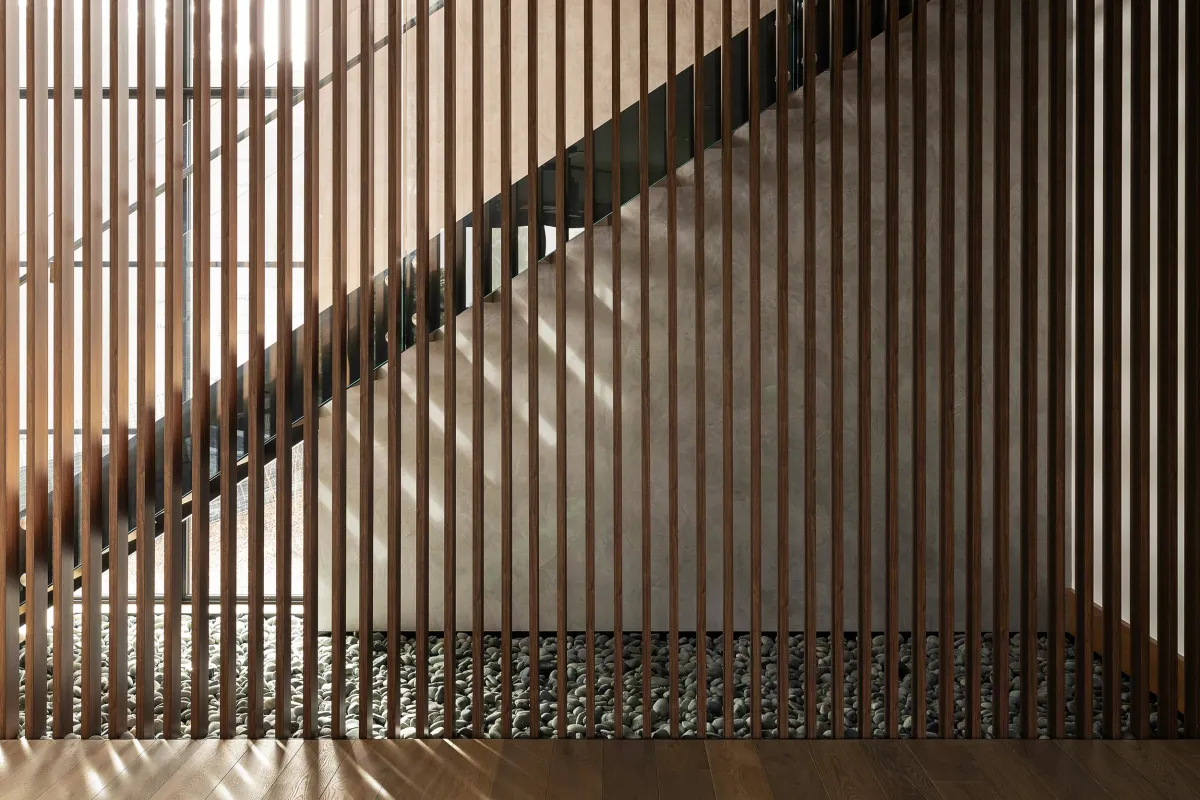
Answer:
(627, 769)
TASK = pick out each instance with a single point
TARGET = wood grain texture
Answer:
(37, 327)
(810, 363)
(974, 480)
(207, 765)
(701, 434)
(755, 325)
(1029, 346)
(727, 362)
(1113, 773)
(561, 167)
(91, 482)
(507, 270)
(1167, 694)
(450, 369)
(366, 372)
(422, 347)
(946, 274)
(1061, 774)
(865, 627)
(576, 769)
(63, 512)
(629, 770)
(920, 57)
(736, 770)
(10, 342)
(306, 775)
(672, 379)
(790, 769)
(102, 762)
(1056, 472)
(845, 771)
(1139, 358)
(1111, 359)
(47, 767)
(477, 446)
(589, 358)
(533, 446)
(146, 471)
(262, 763)
(174, 556)
(1001, 359)
(151, 767)
(644, 328)
(1085, 375)
(891, 680)
(1191, 473)
(311, 356)
(898, 771)
(284, 407)
(506, 377)
(227, 446)
(339, 236)
(682, 769)
(783, 523)
(523, 770)
(201, 416)
(837, 478)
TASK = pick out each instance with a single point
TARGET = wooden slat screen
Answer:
(974, 217)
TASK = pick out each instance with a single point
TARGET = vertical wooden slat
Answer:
(284, 380)
(1168, 371)
(10, 397)
(672, 370)
(1029, 315)
(312, 236)
(864, 369)
(422, 346)
(782, 270)
(37, 316)
(727, 360)
(64, 374)
(395, 293)
(1139, 356)
(618, 321)
(338, 366)
(201, 373)
(91, 487)
(947, 109)
(450, 231)
(1001, 360)
(506, 377)
(1191, 475)
(478, 234)
(366, 382)
(891, 680)
(836, 414)
(227, 451)
(534, 344)
(698, 138)
(920, 56)
(173, 544)
(974, 361)
(1085, 373)
(589, 346)
(1111, 392)
(146, 368)
(755, 379)
(809, 20)
(560, 348)
(1057, 389)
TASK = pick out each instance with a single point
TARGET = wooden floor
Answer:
(627, 770)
